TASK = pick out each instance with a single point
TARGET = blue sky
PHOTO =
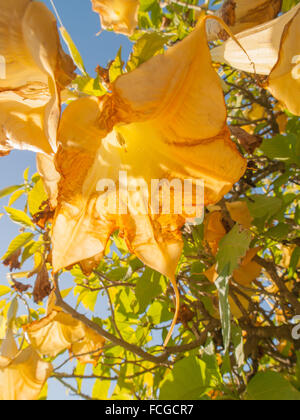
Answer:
(83, 25)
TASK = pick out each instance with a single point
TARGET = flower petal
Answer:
(262, 44)
(180, 88)
(162, 112)
(22, 374)
(273, 48)
(240, 213)
(35, 70)
(284, 81)
(241, 15)
(118, 15)
(59, 331)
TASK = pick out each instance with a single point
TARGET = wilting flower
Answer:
(274, 50)
(35, 69)
(22, 374)
(165, 120)
(59, 331)
(118, 15)
(241, 15)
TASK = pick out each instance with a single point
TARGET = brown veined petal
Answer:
(118, 15)
(22, 374)
(241, 15)
(240, 213)
(36, 69)
(262, 44)
(59, 331)
(50, 176)
(284, 81)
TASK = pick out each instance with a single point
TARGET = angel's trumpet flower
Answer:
(274, 51)
(165, 121)
(118, 15)
(59, 331)
(22, 373)
(241, 15)
(34, 70)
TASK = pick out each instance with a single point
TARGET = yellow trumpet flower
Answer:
(163, 123)
(241, 15)
(59, 331)
(46, 167)
(22, 374)
(274, 49)
(118, 15)
(164, 120)
(34, 69)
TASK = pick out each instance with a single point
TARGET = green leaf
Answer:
(4, 290)
(238, 343)
(79, 370)
(283, 148)
(189, 380)
(116, 68)
(15, 196)
(279, 232)
(146, 5)
(289, 4)
(9, 190)
(18, 243)
(86, 297)
(222, 284)
(209, 357)
(159, 313)
(146, 47)
(271, 386)
(19, 217)
(26, 175)
(30, 249)
(233, 247)
(262, 206)
(73, 50)
(36, 197)
(66, 292)
(149, 286)
(89, 86)
(100, 389)
(294, 262)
